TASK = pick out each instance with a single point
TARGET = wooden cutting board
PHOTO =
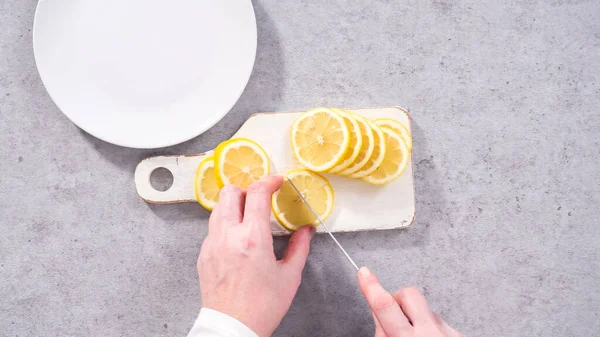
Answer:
(359, 206)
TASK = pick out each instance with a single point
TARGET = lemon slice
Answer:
(288, 207)
(366, 149)
(377, 156)
(397, 127)
(355, 142)
(394, 162)
(205, 184)
(320, 138)
(240, 162)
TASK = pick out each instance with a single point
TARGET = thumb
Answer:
(296, 253)
(385, 308)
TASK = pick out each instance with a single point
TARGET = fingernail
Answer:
(364, 272)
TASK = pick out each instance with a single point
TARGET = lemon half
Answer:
(288, 207)
(240, 162)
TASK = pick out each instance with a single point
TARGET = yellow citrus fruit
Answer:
(355, 141)
(288, 207)
(240, 162)
(366, 149)
(320, 138)
(377, 156)
(394, 162)
(397, 127)
(205, 184)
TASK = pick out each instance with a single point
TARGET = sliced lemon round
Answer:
(397, 127)
(355, 141)
(288, 207)
(366, 149)
(394, 162)
(377, 156)
(240, 162)
(320, 138)
(205, 185)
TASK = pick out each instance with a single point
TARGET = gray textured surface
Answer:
(504, 97)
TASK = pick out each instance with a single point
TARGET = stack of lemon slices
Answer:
(347, 144)
(323, 140)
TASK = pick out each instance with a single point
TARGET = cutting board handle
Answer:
(183, 169)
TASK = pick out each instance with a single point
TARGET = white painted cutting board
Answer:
(359, 206)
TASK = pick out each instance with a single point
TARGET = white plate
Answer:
(145, 73)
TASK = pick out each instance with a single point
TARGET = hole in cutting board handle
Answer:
(161, 179)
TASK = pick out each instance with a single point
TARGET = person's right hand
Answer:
(403, 314)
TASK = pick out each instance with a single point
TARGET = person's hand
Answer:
(239, 273)
(403, 314)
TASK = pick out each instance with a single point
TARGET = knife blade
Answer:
(321, 222)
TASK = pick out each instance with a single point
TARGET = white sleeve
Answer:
(211, 323)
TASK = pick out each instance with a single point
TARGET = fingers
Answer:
(414, 305)
(230, 209)
(384, 306)
(445, 328)
(378, 329)
(297, 251)
(258, 203)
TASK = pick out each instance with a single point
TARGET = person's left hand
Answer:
(239, 274)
